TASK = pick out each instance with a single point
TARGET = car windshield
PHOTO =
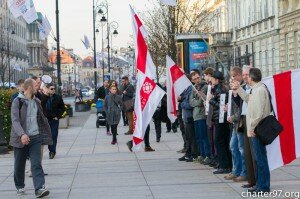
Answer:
(84, 90)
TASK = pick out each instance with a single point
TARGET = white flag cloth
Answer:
(46, 25)
(42, 32)
(285, 92)
(148, 96)
(169, 2)
(144, 61)
(177, 82)
(24, 8)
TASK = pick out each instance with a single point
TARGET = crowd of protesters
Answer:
(226, 143)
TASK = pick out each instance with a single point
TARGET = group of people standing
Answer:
(35, 114)
(226, 143)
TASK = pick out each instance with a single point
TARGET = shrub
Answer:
(5, 105)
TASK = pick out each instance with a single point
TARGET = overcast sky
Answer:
(76, 20)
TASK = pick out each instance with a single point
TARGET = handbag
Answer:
(269, 127)
(128, 105)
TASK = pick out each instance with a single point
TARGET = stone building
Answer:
(255, 33)
(289, 24)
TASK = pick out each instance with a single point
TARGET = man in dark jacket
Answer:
(55, 108)
(30, 129)
(128, 93)
(102, 91)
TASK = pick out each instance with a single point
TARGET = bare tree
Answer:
(163, 23)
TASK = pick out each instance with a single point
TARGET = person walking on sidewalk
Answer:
(113, 108)
(55, 109)
(30, 129)
(128, 93)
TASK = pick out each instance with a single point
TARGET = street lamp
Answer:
(58, 58)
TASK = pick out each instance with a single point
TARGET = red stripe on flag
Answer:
(174, 102)
(142, 48)
(146, 90)
(176, 73)
(283, 93)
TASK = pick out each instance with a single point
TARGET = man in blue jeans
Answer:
(238, 173)
(201, 134)
(259, 107)
(55, 109)
(30, 129)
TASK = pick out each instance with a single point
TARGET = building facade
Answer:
(255, 33)
(289, 24)
(37, 50)
(13, 54)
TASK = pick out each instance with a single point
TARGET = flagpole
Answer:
(94, 34)
(58, 58)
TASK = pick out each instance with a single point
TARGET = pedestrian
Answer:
(187, 113)
(197, 101)
(30, 129)
(77, 96)
(102, 91)
(222, 131)
(157, 122)
(181, 125)
(55, 109)
(259, 107)
(128, 94)
(113, 108)
(238, 173)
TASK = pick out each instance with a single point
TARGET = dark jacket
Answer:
(129, 92)
(113, 108)
(55, 107)
(101, 93)
(215, 101)
(18, 118)
(187, 110)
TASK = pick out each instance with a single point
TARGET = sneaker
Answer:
(222, 171)
(183, 158)
(51, 155)
(230, 176)
(129, 145)
(149, 149)
(240, 179)
(127, 133)
(42, 192)
(190, 159)
(20, 192)
(207, 161)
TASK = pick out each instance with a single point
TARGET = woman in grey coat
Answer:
(113, 108)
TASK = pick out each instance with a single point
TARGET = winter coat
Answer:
(215, 101)
(55, 107)
(129, 92)
(113, 108)
(187, 110)
(197, 103)
(18, 118)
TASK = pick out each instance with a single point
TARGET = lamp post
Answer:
(102, 24)
(58, 58)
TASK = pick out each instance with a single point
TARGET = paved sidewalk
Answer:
(88, 166)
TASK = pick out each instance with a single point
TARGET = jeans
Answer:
(54, 131)
(238, 154)
(114, 131)
(33, 150)
(262, 172)
(202, 138)
(222, 139)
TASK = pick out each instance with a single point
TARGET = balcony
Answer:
(220, 39)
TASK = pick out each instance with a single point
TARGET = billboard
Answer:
(197, 54)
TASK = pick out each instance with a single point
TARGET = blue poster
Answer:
(197, 54)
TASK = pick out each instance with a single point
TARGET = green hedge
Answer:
(5, 104)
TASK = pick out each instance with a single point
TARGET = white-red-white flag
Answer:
(285, 92)
(148, 96)
(177, 82)
(144, 62)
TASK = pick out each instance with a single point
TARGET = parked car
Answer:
(91, 91)
(85, 92)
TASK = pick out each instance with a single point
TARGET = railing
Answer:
(221, 38)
